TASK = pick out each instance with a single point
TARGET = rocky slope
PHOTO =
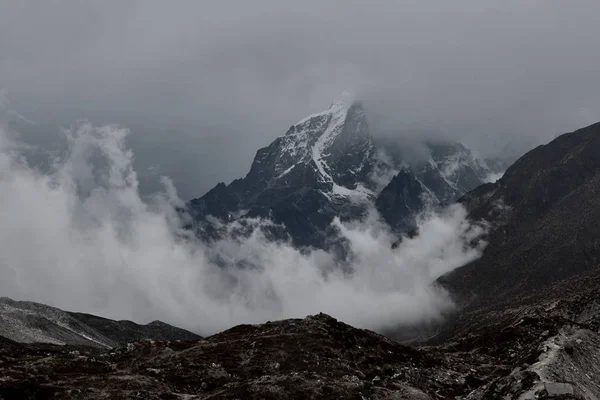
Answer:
(328, 165)
(545, 219)
(29, 322)
(529, 355)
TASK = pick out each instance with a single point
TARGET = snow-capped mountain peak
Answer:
(324, 166)
(335, 143)
(343, 102)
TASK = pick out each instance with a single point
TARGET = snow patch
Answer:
(360, 193)
(338, 111)
(287, 171)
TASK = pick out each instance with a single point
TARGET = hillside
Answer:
(545, 228)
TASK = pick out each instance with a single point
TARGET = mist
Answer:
(203, 85)
(80, 237)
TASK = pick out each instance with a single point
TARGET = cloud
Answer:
(494, 176)
(80, 237)
(204, 84)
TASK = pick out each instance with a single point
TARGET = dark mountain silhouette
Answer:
(545, 219)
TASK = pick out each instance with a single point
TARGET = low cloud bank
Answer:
(80, 237)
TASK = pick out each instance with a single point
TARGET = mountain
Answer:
(544, 242)
(28, 322)
(447, 169)
(318, 169)
(447, 172)
(329, 165)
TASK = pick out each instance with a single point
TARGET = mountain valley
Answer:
(528, 319)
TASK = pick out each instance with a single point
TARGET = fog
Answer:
(203, 85)
(79, 236)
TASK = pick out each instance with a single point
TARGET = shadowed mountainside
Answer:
(545, 219)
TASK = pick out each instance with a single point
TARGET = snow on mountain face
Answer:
(318, 170)
(452, 170)
(338, 114)
(334, 145)
(442, 173)
(326, 165)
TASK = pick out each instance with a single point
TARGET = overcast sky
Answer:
(204, 84)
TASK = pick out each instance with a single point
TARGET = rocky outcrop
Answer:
(527, 355)
(402, 199)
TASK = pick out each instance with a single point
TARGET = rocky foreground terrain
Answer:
(546, 352)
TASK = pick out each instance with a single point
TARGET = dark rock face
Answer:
(324, 167)
(545, 216)
(29, 322)
(401, 200)
(217, 202)
(350, 154)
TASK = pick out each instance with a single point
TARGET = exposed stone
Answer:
(558, 389)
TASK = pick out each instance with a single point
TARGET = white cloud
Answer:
(494, 176)
(81, 238)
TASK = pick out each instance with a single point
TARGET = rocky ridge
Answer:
(28, 322)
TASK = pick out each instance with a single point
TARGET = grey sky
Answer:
(203, 84)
